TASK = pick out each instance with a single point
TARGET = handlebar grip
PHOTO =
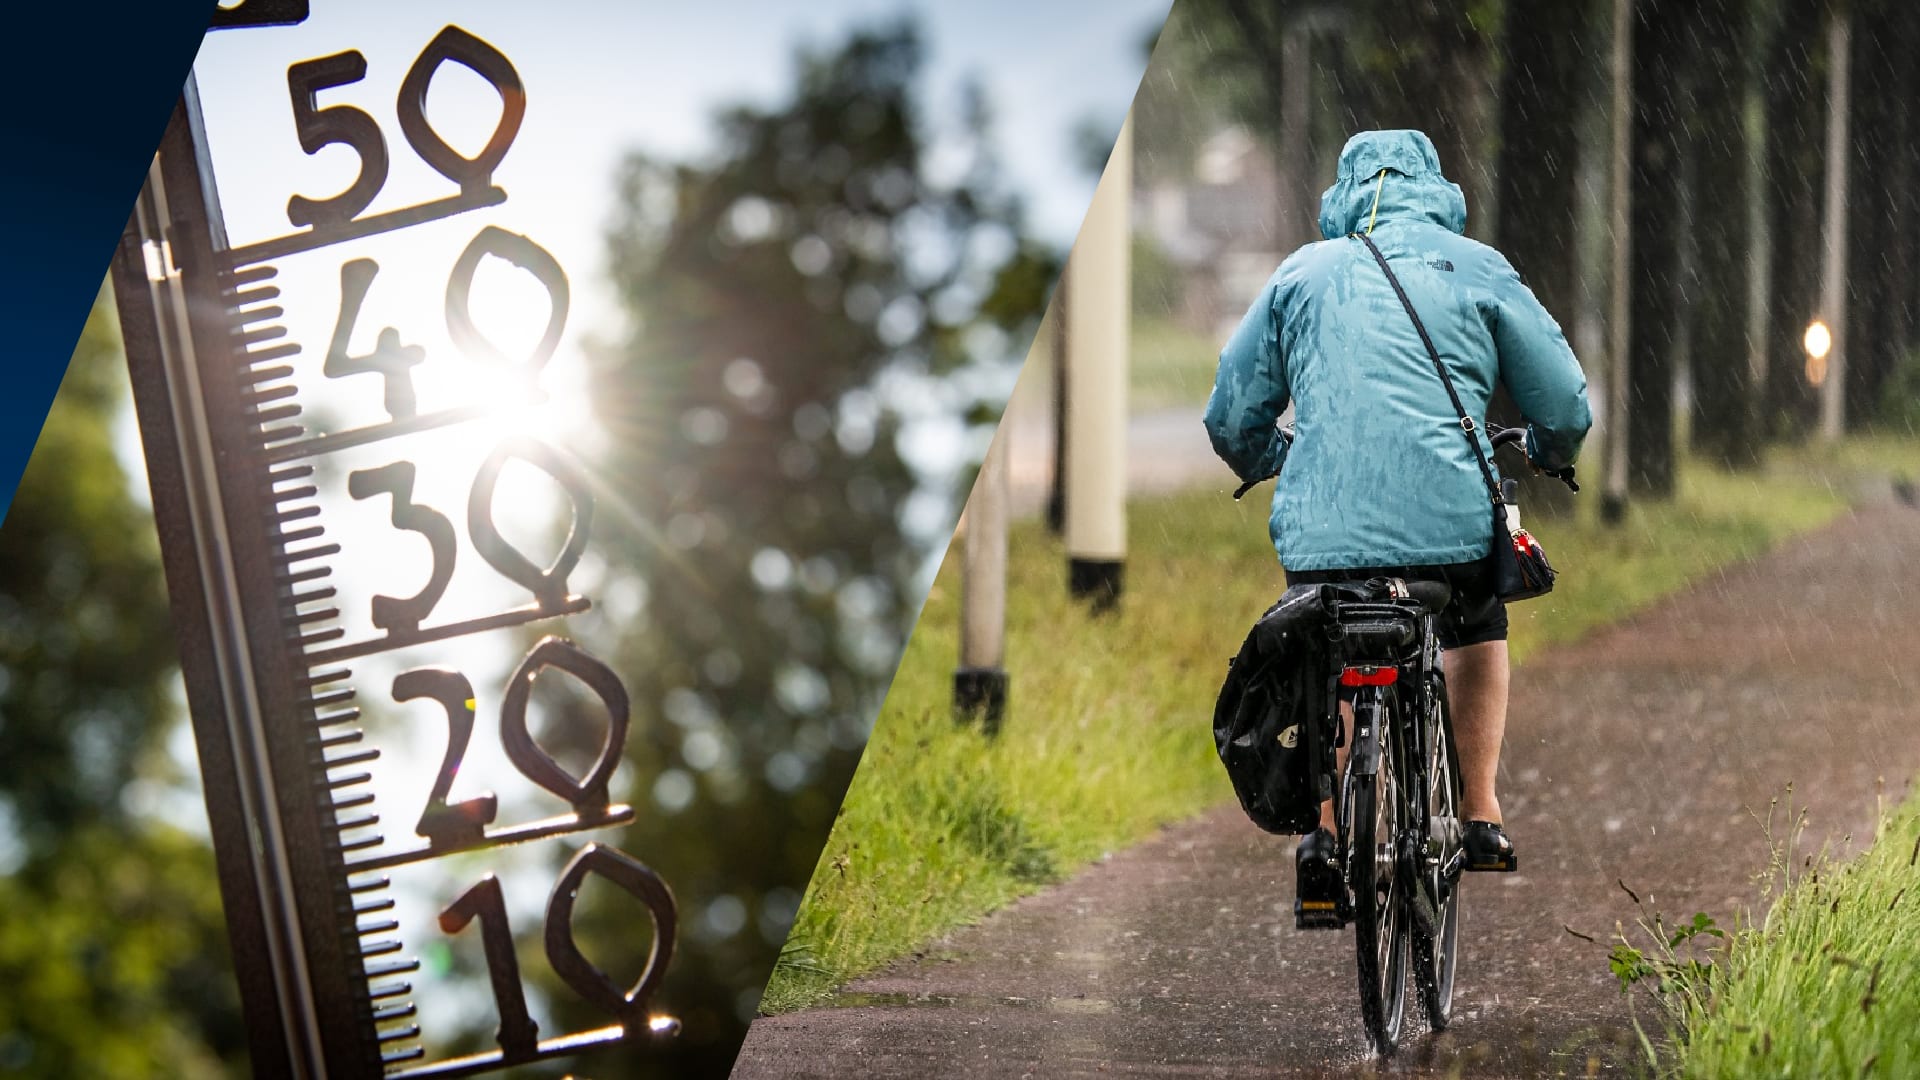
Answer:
(1249, 486)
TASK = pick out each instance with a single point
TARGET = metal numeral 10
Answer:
(518, 1034)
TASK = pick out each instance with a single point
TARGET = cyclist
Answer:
(1377, 479)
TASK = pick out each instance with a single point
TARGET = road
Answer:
(1636, 755)
(1167, 451)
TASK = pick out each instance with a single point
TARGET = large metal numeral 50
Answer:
(318, 128)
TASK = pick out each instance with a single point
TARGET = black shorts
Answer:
(1474, 616)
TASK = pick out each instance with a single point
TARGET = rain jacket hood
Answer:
(1378, 473)
(1412, 189)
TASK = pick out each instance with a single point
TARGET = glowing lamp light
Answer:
(1818, 342)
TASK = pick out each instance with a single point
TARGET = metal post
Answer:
(1097, 342)
(1833, 273)
(980, 682)
(1613, 503)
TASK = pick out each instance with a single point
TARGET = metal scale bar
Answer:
(224, 516)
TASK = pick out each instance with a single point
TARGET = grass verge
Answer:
(1106, 736)
(1827, 985)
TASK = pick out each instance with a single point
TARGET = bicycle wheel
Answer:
(1435, 955)
(1379, 916)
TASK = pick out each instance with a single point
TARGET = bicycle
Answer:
(1398, 831)
(1397, 820)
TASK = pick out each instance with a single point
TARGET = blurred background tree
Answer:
(838, 265)
(113, 953)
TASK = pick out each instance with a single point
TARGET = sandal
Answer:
(1488, 849)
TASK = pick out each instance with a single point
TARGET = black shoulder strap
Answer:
(1466, 422)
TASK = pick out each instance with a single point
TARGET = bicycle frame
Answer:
(1390, 696)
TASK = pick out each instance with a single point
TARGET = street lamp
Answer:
(1818, 341)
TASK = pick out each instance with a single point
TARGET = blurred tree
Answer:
(1725, 406)
(113, 956)
(1546, 68)
(1546, 72)
(832, 264)
(1431, 65)
(1796, 147)
(1661, 30)
(1886, 203)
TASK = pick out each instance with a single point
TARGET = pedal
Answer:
(1318, 888)
(1317, 915)
(1505, 863)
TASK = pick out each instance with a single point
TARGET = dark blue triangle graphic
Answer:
(84, 93)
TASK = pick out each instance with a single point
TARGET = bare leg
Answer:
(1477, 691)
(1339, 763)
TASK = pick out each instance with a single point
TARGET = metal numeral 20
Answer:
(459, 824)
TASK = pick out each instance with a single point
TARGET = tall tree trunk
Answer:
(1716, 139)
(1540, 89)
(1613, 499)
(1428, 66)
(1796, 124)
(1659, 57)
(1882, 218)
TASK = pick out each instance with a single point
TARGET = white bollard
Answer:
(1097, 344)
(980, 682)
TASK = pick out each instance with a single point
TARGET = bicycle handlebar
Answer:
(1517, 436)
(1496, 436)
(1500, 436)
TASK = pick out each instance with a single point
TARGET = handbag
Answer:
(1518, 563)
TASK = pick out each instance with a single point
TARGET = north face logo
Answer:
(1442, 264)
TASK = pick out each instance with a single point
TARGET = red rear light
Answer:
(1371, 675)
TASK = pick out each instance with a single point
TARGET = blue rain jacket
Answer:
(1378, 473)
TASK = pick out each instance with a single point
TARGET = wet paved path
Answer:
(1633, 754)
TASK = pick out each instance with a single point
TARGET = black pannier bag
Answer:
(1273, 724)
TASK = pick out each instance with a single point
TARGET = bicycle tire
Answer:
(1381, 945)
(1436, 956)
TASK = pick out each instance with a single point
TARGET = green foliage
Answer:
(1900, 396)
(1105, 738)
(113, 955)
(1827, 984)
(113, 962)
(1664, 967)
(84, 645)
(781, 292)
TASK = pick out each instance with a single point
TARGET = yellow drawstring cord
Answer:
(1376, 201)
